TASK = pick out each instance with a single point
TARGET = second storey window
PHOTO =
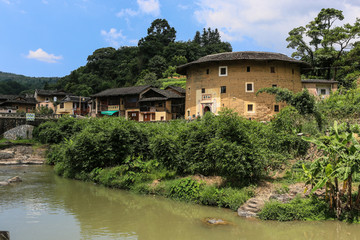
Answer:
(248, 68)
(223, 71)
(61, 105)
(223, 89)
(249, 87)
(272, 69)
(276, 108)
(203, 90)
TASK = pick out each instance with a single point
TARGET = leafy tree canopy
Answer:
(325, 45)
(156, 56)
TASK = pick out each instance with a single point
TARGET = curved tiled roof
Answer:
(122, 91)
(246, 55)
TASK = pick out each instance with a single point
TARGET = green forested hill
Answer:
(153, 61)
(15, 84)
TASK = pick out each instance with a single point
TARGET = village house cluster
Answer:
(224, 80)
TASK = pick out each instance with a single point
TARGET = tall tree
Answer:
(327, 45)
(160, 35)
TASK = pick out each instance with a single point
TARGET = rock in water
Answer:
(4, 183)
(215, 221)
(15, 179)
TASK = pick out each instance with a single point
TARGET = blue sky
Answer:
(45, 38)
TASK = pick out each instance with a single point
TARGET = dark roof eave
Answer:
(237, 56)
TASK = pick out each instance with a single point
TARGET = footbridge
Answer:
(20, 124)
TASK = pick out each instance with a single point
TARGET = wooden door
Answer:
(147, 117)
(133, 116)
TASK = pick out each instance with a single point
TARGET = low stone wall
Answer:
(20, 154)
(23, 132)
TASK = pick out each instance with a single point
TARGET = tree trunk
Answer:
(338, 205)
(349, 200)
(336, 184)
(357, 198)
(343, 190)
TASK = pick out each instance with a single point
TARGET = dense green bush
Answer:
(297, 209)
(226, 145)
(342, 104)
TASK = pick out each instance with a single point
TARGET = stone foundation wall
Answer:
(23, 132)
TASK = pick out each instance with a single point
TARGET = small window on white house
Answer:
(250, 108)
(323, 91)
(223, 71)
(249, 87)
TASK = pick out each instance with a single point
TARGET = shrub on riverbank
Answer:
(226, 145)
(297, 209)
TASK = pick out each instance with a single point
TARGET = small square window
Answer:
(249, 87)
(276, 108)
(323, 91)
(272, 69)
(207, 71)
(223, 71)
(250, 107)
(274, 85)
(223, 89)
(203, 90)
(248, 68)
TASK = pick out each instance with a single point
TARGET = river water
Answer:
(47, 207)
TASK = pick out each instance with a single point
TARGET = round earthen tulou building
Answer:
(232, 79)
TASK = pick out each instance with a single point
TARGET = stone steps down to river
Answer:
(266, 193)
(22, 154)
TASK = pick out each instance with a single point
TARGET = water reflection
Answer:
(45, 206)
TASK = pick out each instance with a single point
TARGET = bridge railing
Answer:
(23, 115)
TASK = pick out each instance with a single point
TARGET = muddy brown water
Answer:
(47, 207)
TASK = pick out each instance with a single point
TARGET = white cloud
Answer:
(43, 56)
(127, 12)
(45, 2)
(266, 22)
(151, 7)
(113, 37)
(6, 1)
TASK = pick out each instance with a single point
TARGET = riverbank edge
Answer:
(22, 153)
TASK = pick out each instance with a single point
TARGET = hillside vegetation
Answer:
(13, 84)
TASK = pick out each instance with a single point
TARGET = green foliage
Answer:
(16, 84)
(225, 197)
(340, 162)
(156, 56)
(297, 209)
(56, 131)
(326, 50)
(185, 189)
(42, 110)
(342, 104)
